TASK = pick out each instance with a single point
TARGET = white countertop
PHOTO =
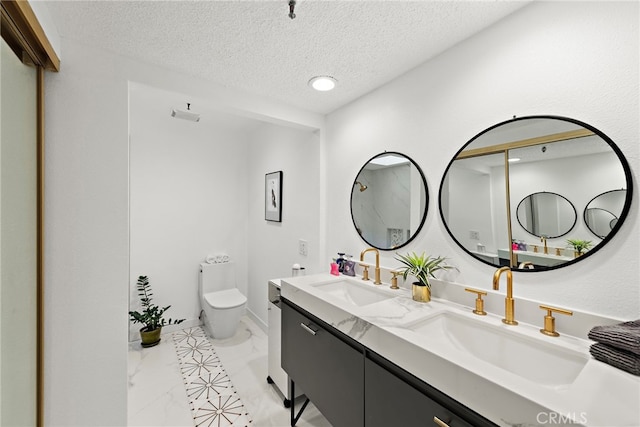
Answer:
(600, 395)
(543, 255)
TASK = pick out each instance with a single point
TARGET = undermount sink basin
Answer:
(536, 360)
(358, 294)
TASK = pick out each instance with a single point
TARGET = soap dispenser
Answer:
(340, 262)
(349, 266)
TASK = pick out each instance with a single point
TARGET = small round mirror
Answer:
(389, 201)
(545, 214)
(602, 212)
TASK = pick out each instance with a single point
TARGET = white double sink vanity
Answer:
(477, 370)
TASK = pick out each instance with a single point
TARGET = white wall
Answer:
(273, 246)
(198, 189)
(87, 224)
(469, 208)
(188, 199)
(578, 60)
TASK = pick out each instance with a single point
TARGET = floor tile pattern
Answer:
(157, 392)
(213, 399)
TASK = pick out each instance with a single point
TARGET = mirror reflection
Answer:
(602, 213)
(547, 215)
(389, 201)
(496, 189)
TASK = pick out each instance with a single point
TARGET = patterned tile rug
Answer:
(214, 401)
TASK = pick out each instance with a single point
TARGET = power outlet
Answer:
(303, 247)
(474, 235)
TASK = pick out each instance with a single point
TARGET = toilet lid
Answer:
(228, 298)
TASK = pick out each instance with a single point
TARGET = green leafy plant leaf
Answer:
(580, 245)
(151, 315)
(422, 266)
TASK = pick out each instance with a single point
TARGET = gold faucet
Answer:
(550, 321)
(526, 264)
(377, 271)
(394, 279)
(543, 239)
(509, 304)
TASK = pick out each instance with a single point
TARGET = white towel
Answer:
(217, 258)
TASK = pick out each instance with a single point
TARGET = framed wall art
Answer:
(273, 196)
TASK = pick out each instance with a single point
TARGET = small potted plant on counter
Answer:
(151, 316)
(579, 246)
(422, 267)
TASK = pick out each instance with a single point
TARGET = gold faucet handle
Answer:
(394, 279)
(526, 264)
(365, 271)
(479, 301)
(550, 321)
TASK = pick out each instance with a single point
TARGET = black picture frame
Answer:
(273, 196)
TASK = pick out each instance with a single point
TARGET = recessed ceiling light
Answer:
(514, 159)
(323, 83)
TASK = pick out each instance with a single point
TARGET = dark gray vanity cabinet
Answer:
(329, 369)
(354, 387)
(394, 397)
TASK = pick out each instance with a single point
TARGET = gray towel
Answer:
(625, 336)
(620, 359)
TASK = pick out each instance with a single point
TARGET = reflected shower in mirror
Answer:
(487, 189)
(547, 215)
(389, 201)
(602, 212)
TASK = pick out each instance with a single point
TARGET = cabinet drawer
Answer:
(330, 371)
(394, 397)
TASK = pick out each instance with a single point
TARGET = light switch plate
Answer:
(303, 247)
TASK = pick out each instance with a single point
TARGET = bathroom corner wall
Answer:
(187, 198)
(573, 59)
(273, 246)
(87, 224)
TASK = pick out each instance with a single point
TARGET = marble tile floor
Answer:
(158, 384)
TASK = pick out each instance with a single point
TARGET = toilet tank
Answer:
(217, 277)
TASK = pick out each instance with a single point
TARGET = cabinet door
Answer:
(330, 371)
(390, 401)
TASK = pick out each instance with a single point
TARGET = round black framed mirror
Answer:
(499, 167)
(546, 214)
(389, 201)
(603, 211)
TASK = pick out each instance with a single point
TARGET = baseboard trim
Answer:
(261, 324)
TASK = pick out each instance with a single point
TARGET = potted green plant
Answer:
(422, 267)
(579, 246)
(152, 316)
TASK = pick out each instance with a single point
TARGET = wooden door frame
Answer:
(24, 34)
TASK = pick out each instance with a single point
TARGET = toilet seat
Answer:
(229, 298)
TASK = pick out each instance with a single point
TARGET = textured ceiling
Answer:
(253, 46)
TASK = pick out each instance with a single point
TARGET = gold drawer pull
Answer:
(439, 422)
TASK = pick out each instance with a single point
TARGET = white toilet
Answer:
(223, 304)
